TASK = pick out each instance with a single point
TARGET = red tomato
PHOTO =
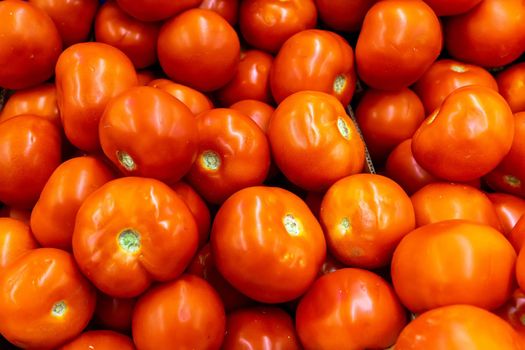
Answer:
(330, 265)
(452, 7)
(475, 268)
(267, 244)
(520, 268)
(310, 133)
(23, 215)
(53, 217)
(100, 340)
(155, 10)
(31, 45)
(146, 76)
(266, 24)
(467, 136)
(321, 61)
(44, 290)
(514, 312)
(226, 8)
(445, 76)
(257, 111)
(343, 15)
(349, 309)
(314, 200)
(490, 35)
(15, 241)
(195, 100)
(184, 314)
(133, 231)
(114, 313)
(88, 75)
(398, 42)
(200, 49)
(517, 235)
(511, 83)
(509, 209)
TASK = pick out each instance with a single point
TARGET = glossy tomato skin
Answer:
(155, 10)
(321, 61)
(476, 268)
(309, 133)
(30, 151)
(31, 45)
(511, 83)
(517, 235)
(509, 209)
(88, 75)
(514, 312)
(195, 100)
(53, 216)
(100, 340)
(187, 42)
(467, 136)
(44, 290)
(349, 309)
(520, 268)
(133, 231)
(279, 268)
(398, 42)
(114, 313)
(16, 240)
(452, 7)
(228, 9)
(257, 111)
(147, 132)
(343, 15)
(189, 312)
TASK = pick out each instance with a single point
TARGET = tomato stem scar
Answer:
(291, 225)
(345, 225)
(343, 128)
(59, 309)
(210, 160)
(458, 68)
(129, 240)
(339, 83)
(512, 181)
(126, 161)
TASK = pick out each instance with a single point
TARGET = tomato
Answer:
(458, 327)
(309, 133)
(196, 101)
(31, 45)
(398, 42)
(29, 152)
(445, 76)
(44, 290)
(114, 313)
(386, 118)
(514, 312)
(250, 81)
(364, 217)
(53, 216)
(155, 10)
(226, 8)
(88, 75)
(517, 235)
(343, 15)
(509, 209)
(147, 132)
(490, 35)
(453, 262)
(452, 7)
(72, 18)
(520, 268)
(188, 42)
(266, 24)
(257, 111)
(233, 154)
(313, 200)
(184, 314)
(267, 244)
(260, 328)
(23, 215)
(133, 231)
(321, 61)
(511, 83)
(349, 309)
(100, 340)
(138, 40)
(146, 76)
(15, 241)
(330, 265)
(467, 136)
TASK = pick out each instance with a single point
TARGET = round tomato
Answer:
(451, 7)
(514, 312)
(15, 241)
(155, 10)
(195, 100)
(511, 83)
(146, 76)
(257, 111)
(517, 235)
(114, 313)
(520, 268)
(509, 209)
(343, 15)
(23, 215)
(100, 340)
(228, 9)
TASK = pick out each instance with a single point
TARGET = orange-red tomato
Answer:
(343, 15)
(133, 231)
(267, 244)
(451, 7)
(520, 268)
(146, 76)
(155, 10)
(257, 111)
(349, 309)
(184, 314)
(88, 75)
(195, 100)
(514, 312)
(364, 217)
(114, 313)
(314, 142)
(511, 83)
(53, 216)
(398, 42)
(473, 263)
(23, 215)
(517, 235)
(467, 136)
(316, 60)
(44, 300)
(100, 340)
(330, 265)
(200, 49)
(15, 241)
(229, 9)
(30, 45)
(509, 209)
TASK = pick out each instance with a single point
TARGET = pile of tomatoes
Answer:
(190, 174)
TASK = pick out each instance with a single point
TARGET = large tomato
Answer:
(100, 340)
(514, 312)
(114, 313)
(343, 15)
(155, 10)
(511, 83)
(509, 209)
(257, 111)
(15, 241)
(517, 235)
(226, 8)
(452, 7)
(195, 100)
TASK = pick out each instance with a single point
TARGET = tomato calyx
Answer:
(210, 160)
(512, 181)
(340, 84)
(345, 226)
(129, 241)
(343, 128)
(292, 225)
(458, 68)
(126, 161)
(59, 309)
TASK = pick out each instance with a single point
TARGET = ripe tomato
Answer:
(88, 75)
(29, 152)
(114, 313)
(349, 309)
(184, 314)
(133, 231)
(228, 9)
(479, 37)
(266, 24)
(137, 39)
(467, 136)
(53, 217)
(473, 263)
(23, 215)
(364, 217)
(517, 235)
(31, 45)
(257, 111)
(343, 15)
(146, 76)
(330, 265)
(267, 244)
(100, 340)
(15, 241)
(511, 83)
(147, 132)
(195, 100)
(321, 61)
(509, 209)
(186, 44)
(313, 200)
(452, 7)
(233, 154)
(310, 133)
(520, 268)
(44, 290)
(155, 10)
(514, 312)
(445, 76)
(398, 42)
